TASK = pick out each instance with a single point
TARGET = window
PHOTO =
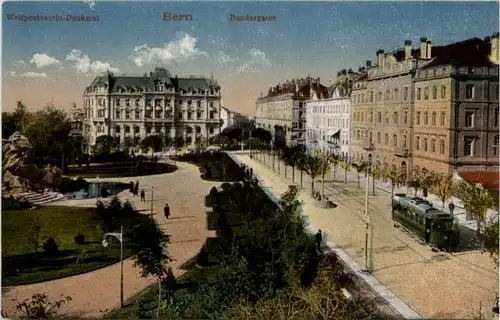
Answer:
(426, 93)
(394, 140)
(469, 119)
(434, 92)
(117, 114)
(441, 146)
(380, 96)
(497, 93)
(443, 92)
(387, 95)
(117, 129)
(387, 117)
(371, 96)
(469, 91)
(363, 98)
(379, 138)
(371, 116)
(495, 121)
(386, 138)
(418, 93)
(433, 145)
(417, 118)
(406, 93)
(495, 146)
(379, 117)
(395, 117)
(371, 137)
(425, 144)
(404, 142)
(426, 118)
(405, 117)
(443, 118)
(127, 129)
(417, 143)
(468, 146)
(137, 114)
(434, 118)
(396, 94)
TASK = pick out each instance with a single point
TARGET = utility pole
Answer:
(368, 255)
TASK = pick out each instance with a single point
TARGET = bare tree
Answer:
(443, 187)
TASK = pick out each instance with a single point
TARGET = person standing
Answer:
(451, 206)
(143, 195)
(319, 238)
(166, 210)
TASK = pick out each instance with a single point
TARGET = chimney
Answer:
(317, 81)
(423, 48)
(495, 52)
(429, 49)
(408, 49)
(380, 57)
(350, 71)
(368, 64)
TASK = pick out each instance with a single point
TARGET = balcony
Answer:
(367, 145)
(333, 143)
(401, 152)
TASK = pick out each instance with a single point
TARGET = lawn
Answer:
(22, 265)
(121, 169)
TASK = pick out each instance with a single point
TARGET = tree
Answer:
(415, 181)
(334, 160)
(376, 174)
(8, 124)
(105, 144)
(490, 238)
(153, 142)
(395, 178)
(40, 307)
(150, 247)
(35, 234)
(312, 165)
(290, 157)
(360, 167)
(443, 187)
(476, 199)
(347, 167)
(21, 116)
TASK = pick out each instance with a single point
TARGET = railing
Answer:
(401, 152)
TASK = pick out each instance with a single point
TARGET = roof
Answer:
(472, 52)
(488, 179)
(148, 81)
(298, 88)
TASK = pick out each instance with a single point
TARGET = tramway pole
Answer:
(368, 225)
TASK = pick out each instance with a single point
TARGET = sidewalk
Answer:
(434, 284)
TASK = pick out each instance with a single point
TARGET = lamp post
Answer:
(368, 226)
(119, 236)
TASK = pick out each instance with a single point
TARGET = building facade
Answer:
(282, 111)
(231, 119)
(409, 110)
(133, 108)
(328, 121)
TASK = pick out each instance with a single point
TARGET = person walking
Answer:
(143, 195)
(166, 210)
(319, 238)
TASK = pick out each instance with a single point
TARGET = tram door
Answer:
(427, 230)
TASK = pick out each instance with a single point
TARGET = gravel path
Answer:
(95, 293)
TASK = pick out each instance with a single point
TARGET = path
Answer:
(96, 292)
(436, 285)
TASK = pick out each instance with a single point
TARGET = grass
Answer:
(121, 169)
(20, 263)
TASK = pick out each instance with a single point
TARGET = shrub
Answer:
(50, 247)
(225, 186)
(40, 307)
(80, 239)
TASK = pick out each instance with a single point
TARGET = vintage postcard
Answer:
(250, 160)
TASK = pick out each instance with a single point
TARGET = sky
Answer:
(53, 61)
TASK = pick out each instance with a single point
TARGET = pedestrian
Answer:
(143, 195)
(319, 238)
(451, 206)
(137, 184)
(166, 210)
(136, 191)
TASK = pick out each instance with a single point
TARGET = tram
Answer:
(432, 226)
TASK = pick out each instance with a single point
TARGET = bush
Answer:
(50, 247)
(225, 186)
(80, 239)
(12, 203)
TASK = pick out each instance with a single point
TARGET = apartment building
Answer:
(456, 108)
(328, 121)
(410, 110)
(132, 108)
(282, 111)
(231, 118)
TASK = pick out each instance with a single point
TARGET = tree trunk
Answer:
(312, 184)
(359, 185)
(334, 171)
(323, 185)
(293, 174)
(285, 170)
(373, 187)
(159, 297)
(301, 175)
(279, 165)
(345, 175)
(392, 188)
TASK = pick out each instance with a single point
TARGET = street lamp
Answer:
(119, 236)
(368, 226)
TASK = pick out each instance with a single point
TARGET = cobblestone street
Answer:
(434, 284)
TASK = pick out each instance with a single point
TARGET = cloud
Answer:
(29, 75)
(19, 63)
(182, 48)
(84, 65)
(223, 58)
(41, 60)
(258, 60)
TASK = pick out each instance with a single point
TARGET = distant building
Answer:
(328, 121)
(133, 108)
(76, 116)
(432, 107)
(231, 118)
(282, 111)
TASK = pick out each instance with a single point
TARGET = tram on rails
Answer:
(430, 225)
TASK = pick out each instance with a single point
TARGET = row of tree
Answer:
(476, 199)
